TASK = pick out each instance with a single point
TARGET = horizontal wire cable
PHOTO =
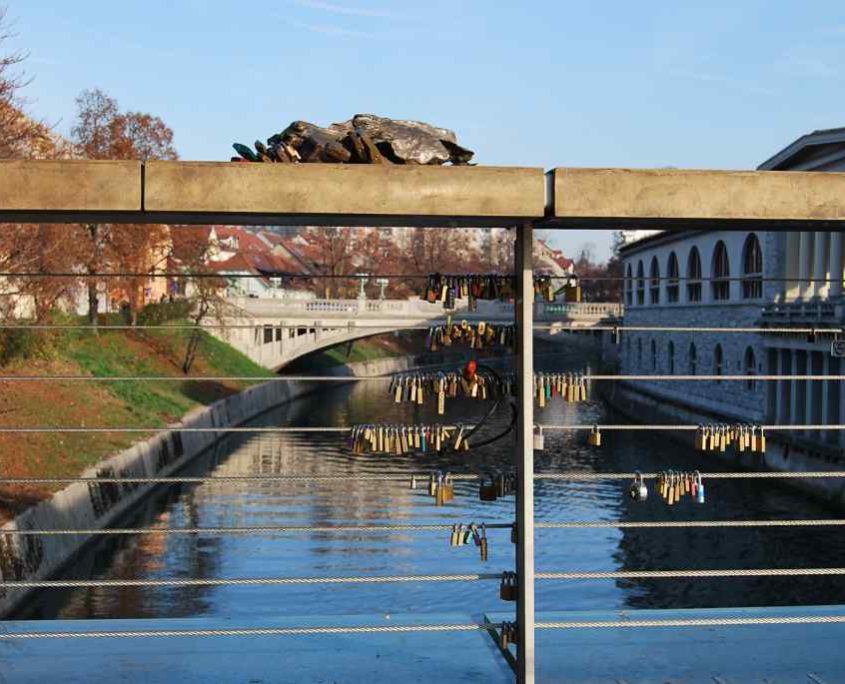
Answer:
(250, 631)
(259, 529)
(421, 478)
(551, 327)
(576, 525)
(274, 430)
(388, 378)
(770, 475)
(407, 629)
(407, 276)
(248, 581)
(469, 577)
(694, 622)
(690, 574)
(623, 524)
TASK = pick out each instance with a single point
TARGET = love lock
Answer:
(638, 490)
(539, 440)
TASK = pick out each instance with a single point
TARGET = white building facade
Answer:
(743, 279)
(695, 279)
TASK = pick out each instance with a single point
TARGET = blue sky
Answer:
(545, 83)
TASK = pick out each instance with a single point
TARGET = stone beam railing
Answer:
(389, 309)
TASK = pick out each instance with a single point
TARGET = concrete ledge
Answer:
(70, 185)
(343, 190)
(602, 198)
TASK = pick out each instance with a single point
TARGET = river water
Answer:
(211, 504)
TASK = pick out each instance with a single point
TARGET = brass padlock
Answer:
(594, 438)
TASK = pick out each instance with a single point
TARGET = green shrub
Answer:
(157, 314)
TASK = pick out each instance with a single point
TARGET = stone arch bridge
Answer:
(275, 332)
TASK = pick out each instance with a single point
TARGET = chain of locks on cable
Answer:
(448, 288)
(417, 388)
(404, 439)
(671, 485)
(479, 335)
(719, 437)
(462, 535)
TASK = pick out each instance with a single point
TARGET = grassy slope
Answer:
(125, 403)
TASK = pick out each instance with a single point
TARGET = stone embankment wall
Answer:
(92, 505)
(782, 454)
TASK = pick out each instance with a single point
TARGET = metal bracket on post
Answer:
(525, 452)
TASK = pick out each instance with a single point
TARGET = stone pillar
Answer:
(805, 264)
(835, 267)
(792, 266)
(821, 262)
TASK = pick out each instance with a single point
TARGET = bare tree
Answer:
(20, 135)
(205, 295)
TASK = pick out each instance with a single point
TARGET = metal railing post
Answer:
(525, 451)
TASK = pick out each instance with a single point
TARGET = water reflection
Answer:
(213, 504)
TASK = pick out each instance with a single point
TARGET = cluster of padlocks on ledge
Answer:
(745, 438)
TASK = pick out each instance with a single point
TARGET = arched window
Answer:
(672, 279)
(718, 361)
(693, 359)
(654, 287)
(694, 276)
(639, 352)
(750, 370)
(654, 355)
(640, 284)
(629, 286)
(671, 356)
(752, 268)
(721, 271)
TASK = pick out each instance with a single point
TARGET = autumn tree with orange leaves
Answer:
(102, 131)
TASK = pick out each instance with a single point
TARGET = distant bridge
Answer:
(275, 332)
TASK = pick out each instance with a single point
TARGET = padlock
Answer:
(594, 438)
(699, 486)
(483, 547)
(539, 440)
(487, 492)
(638, 490)
(448, 488)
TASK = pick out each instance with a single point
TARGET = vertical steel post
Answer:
(525, 451)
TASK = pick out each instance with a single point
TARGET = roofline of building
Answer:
(825, 136)
(656, 239)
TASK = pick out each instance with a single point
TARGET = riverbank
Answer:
(77, 403)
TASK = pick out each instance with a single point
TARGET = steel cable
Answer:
(565, 525)
(388, 378)
(421, 478)
(406, 629)
(692, 574)
(246, 581)
(279, 430)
